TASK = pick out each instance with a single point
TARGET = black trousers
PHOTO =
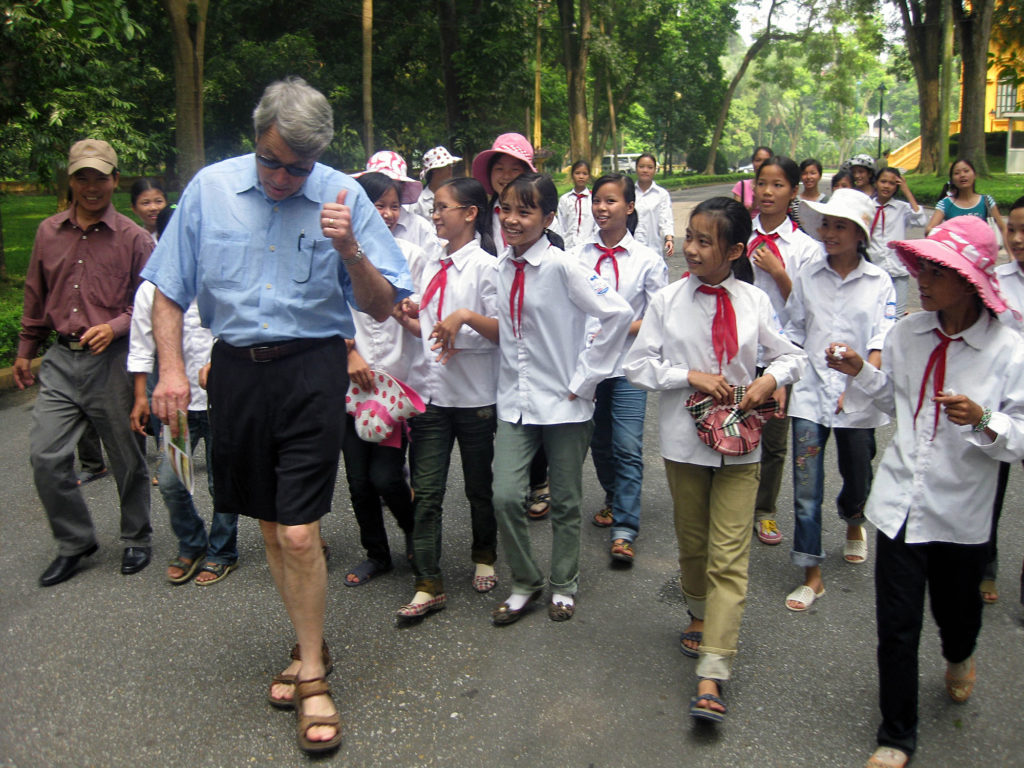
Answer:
(950, 573)
(375, 471)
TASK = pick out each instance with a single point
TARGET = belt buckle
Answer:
(256, 357)
(76, 346)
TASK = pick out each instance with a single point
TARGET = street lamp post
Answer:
(881, 97)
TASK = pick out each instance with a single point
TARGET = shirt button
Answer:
(79, 261)
(276, 209)
(268, 286)
(265, 325)
(83, 237)
(273, 248)
(74, 309)
(76, 286)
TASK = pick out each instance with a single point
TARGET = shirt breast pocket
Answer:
(315, 270)
(225, 259)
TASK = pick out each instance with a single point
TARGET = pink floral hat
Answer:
(965, 244)
(514, 144)
(392, 165)
(438, 157)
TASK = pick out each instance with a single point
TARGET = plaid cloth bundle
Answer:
(726, 428)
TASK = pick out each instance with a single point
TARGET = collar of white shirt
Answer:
(534, 254)
(628, 241)
(975, 336)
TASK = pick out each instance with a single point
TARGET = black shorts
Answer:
(276, 430)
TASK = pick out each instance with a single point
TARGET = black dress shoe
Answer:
(135, 559)
(64, 567)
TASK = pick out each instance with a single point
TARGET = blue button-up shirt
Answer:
(261, 269)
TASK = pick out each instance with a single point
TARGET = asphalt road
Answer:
(112, 670)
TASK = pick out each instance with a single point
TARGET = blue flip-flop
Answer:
(366, 571)
(689, 652)
(703, 713)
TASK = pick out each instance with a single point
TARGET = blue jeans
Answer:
(856, 448)
(221, 546)
(617, 447)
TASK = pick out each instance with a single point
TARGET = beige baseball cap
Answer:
(92, 153)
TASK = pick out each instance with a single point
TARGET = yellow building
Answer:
(1002, 97)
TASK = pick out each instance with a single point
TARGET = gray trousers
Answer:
(76, 388)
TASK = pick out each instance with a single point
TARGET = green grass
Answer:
(1004, 187)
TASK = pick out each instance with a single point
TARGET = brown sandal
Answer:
(305, 690)
(286, 679)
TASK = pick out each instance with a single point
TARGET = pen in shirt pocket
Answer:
(298, 245)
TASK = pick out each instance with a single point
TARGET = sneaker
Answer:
(768, 532)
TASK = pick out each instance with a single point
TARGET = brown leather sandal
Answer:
(286, 679)
(306, 689)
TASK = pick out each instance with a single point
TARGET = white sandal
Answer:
(887, 757)
(855, 551)
(803, 595)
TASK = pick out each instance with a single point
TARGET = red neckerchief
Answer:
(609, 253)
(579, 209)
(723, 330)
(518, 286)
(437, 284)
(936, 360)
(879, 211)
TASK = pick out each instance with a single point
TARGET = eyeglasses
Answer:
(273, 165)
(439, 209)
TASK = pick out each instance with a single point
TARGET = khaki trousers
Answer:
(713, 511)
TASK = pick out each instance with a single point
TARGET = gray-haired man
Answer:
(273, 245)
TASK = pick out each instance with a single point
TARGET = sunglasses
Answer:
(273, 165)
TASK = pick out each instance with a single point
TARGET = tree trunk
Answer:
(368, 77)
(945, 90)
(723, 113)
(537, 66)
(188, 29)
(575, 49)
(922, 29)
(3, 254)
(448, 27)
(974, 28)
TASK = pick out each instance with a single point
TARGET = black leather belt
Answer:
(72, 342)
(271, 352)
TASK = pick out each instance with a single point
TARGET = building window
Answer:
(1006, 92)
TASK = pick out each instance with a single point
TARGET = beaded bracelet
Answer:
(986, 417)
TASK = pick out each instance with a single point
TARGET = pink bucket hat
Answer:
(964, 244)
(849, 204)
(392, 165)
(378, 411)
(514, 144)
(438, 157)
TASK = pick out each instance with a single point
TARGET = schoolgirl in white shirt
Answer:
(574, 212)
(438, 166)
(637, 273)
(839, 297)
(890, 222)
(706, 333)
(402, 222)
(456, 376)
(655, 225)
(547, 378)
(376, 471)
(953, 376)
(510, 156)
(1011, 283)
(778, 250)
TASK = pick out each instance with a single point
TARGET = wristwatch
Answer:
(355, 258)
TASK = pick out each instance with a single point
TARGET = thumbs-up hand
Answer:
(336, 223)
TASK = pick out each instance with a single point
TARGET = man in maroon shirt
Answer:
(80, 283)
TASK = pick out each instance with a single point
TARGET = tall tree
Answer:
(768, 34)
(973, 31)
(188, 27)
(922, 27)
(576, 32)
(368, 77)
